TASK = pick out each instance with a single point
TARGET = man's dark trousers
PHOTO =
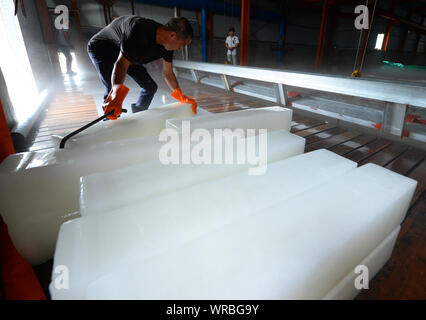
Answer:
(104, 56)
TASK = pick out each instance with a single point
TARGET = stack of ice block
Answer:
(277, 118)
(41, 189)
(296, 232)
(152, 178)
(146, 123)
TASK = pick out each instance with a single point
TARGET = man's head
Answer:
(179, 33)
(231, 32)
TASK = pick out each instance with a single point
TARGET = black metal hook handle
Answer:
(72, 134)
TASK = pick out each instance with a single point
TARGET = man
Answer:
(64, 45)
(231, 43)
(124, 46)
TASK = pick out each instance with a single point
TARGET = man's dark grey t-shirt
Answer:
(136, 38)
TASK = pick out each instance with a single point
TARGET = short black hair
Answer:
(231, 29)
(181, 26)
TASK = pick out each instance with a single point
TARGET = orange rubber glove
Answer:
(178, 95)
(115, 100)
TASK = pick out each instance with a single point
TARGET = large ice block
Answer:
(346, 289)
(156, 225)
(141, 124)
(298, 248)
(149, 179)
(40, 190)
(271, 118)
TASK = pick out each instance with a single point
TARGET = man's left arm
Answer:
(170, 78)
(169, 75)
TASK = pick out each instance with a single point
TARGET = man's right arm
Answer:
(119, 91)
(120, 70)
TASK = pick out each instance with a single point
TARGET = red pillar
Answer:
(132, 2)
(388, 31)
(210, 32)
(6, 144)
(389, 28)
(322, 34)
(245, 23)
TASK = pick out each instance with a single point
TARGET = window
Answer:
(15, 65)
(379, 41)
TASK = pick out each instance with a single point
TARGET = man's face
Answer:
(231, 33)
(175, 43)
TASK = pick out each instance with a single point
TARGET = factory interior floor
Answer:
(403, 276)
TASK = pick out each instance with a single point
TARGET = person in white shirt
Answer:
(231, 43)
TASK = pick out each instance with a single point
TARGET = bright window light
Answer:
(379, 41)
(15, 65)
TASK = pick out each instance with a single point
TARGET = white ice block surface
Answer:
(141, 124)
(149, 179)
(40, 190)
(346, 290)
(298, 248)
(271, 118)
(152, 226)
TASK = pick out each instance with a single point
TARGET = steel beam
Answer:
(225, 82)
(389, 91)
(394, 118)
(194, 75)
(282, 97)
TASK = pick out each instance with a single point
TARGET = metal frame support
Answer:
(282, 97)
(394, 118)
(392, 91)
(194, 75)
(225, 82)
